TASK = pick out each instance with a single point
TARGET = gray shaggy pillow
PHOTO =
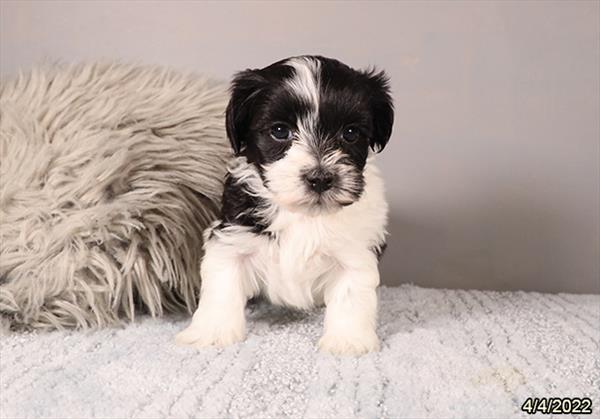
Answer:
(108, 175)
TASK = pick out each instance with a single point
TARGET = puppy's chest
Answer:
(299, 258)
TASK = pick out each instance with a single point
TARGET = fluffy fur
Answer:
(304, 214)
(109, 175)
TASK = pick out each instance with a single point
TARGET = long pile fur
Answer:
(109, 173)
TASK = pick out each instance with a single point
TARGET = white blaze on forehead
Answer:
(305, 82)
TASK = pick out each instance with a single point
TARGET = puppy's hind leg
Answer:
(219, 320)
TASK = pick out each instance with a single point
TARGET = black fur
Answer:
(379, 250)
(261, 98)
(258, 100)
(350, 97)
(240, 207)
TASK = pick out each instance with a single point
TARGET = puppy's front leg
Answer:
(351, 308)
(219, 319)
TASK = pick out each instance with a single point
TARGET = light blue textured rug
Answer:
(444, 354)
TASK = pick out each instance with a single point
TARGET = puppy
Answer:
(304, 213)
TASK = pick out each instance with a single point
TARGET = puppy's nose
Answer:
(320, 181)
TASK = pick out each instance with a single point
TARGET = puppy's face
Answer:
(307, 123)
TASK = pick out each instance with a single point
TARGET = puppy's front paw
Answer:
(353, 344)
(205, 332)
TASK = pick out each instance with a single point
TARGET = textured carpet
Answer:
(444, 354)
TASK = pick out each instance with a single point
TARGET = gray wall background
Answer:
(493, 169)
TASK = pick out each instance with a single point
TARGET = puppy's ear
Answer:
(245, 88)
(382, 109)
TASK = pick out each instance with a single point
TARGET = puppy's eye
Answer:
(281, 132)
(350, 134)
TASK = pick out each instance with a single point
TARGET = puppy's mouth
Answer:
(330, 202)
(315, 204)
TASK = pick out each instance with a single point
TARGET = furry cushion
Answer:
(109, 174)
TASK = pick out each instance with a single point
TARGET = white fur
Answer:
(325, 258)
(319, 247)
(306, 82)
(306, 85)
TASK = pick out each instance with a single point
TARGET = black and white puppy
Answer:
(304, 213)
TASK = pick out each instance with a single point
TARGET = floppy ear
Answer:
(382, 109)
(245, 88)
